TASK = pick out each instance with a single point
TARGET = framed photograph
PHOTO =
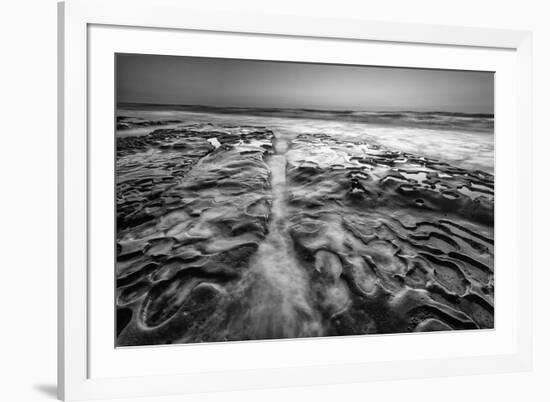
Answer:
(253, 201)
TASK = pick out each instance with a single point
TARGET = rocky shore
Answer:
(231, 233)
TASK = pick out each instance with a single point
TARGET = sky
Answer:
(179, 80)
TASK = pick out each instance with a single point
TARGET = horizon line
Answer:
(381, 110)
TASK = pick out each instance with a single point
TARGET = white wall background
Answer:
(28, 199)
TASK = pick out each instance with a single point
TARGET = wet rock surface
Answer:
(192, 208)
(392, 242)
(232, 233)
(129, 122)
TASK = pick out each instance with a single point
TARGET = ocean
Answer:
(461, 139)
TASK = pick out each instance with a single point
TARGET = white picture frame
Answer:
(80, 377)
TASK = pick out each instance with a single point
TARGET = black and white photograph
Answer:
(261, 199)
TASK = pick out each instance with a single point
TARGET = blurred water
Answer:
(466, 141)
(280, 300)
